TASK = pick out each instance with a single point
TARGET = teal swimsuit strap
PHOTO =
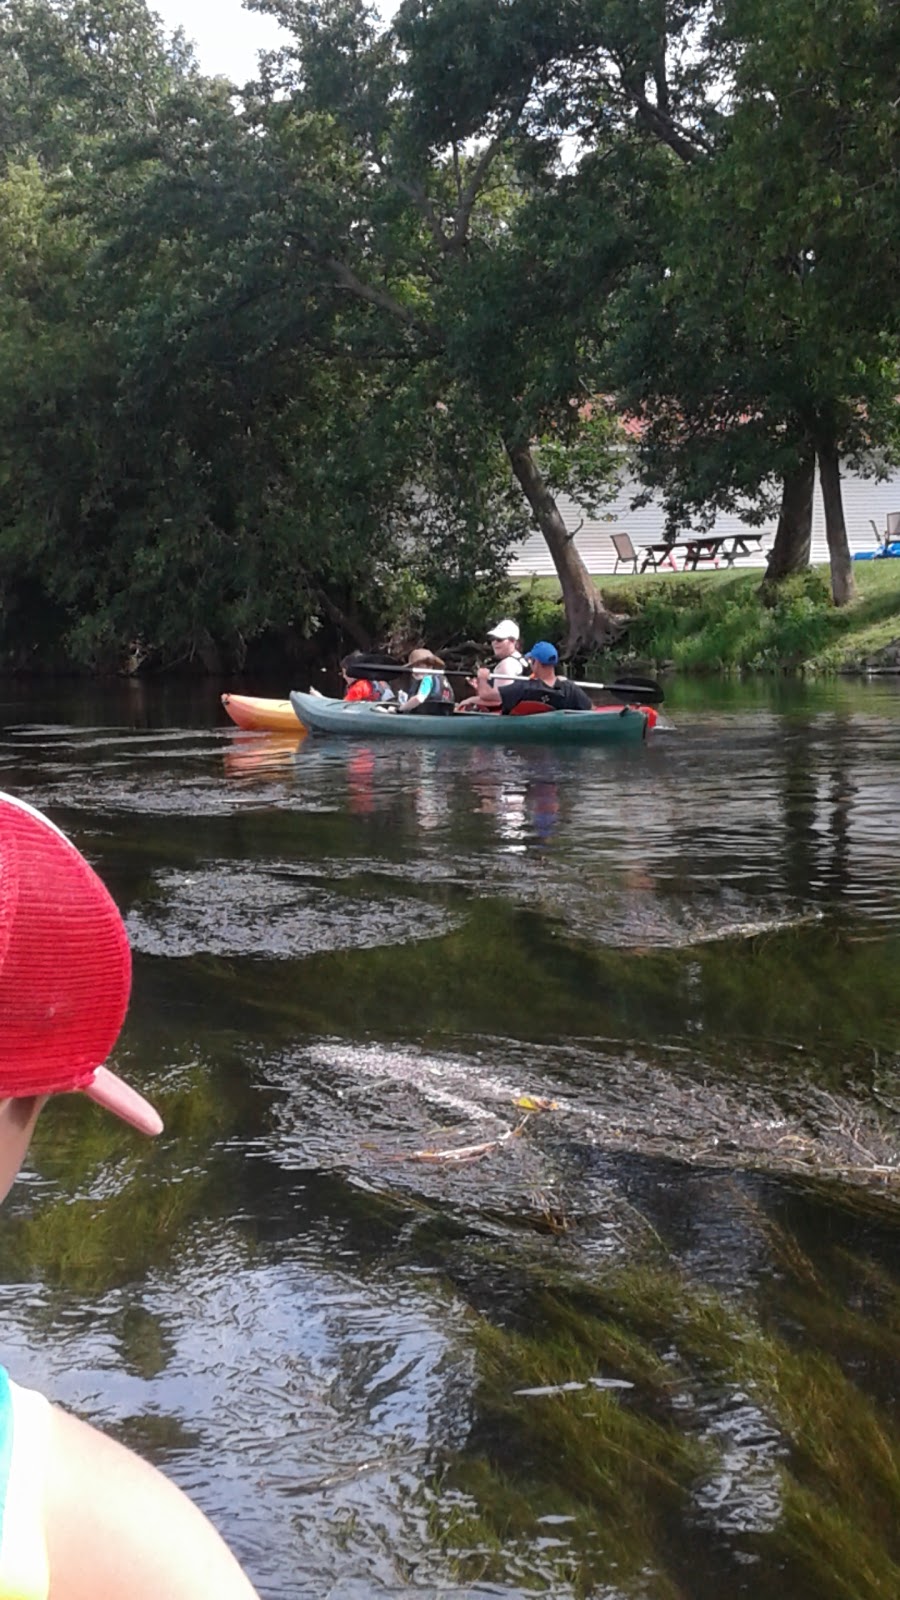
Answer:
(6, 1442)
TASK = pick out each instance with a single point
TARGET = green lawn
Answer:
(714, 620)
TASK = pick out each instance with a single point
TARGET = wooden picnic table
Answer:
(701, 547)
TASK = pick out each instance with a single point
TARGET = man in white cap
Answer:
(510, 663)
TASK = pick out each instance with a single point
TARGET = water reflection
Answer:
(258, 755)
(521, 791)
(773, 818)
(679, 817)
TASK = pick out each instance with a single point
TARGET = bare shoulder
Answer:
(117, 1529)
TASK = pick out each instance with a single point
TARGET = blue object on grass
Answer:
(885, 551)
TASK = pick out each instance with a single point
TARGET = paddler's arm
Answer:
(487, 699)
(117, 1529)
(487, 695)
(423, 690)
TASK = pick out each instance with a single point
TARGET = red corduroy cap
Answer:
(65, 970)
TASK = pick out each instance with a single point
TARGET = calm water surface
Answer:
(641, 1344)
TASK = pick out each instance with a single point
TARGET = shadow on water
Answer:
(526, 1220)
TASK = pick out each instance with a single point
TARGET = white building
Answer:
(866, 500)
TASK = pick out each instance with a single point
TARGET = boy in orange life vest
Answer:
(81, 1517)
(363, 687)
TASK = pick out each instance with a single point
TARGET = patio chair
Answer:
(625, 550)
(887, 543)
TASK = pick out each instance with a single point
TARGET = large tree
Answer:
(456, 246)
(203, 441)
(757, 330)
(768, 339)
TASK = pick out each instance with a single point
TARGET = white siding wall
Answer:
(865, 501)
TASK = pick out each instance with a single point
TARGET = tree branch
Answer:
(688, 146)
(456, 172)
(369, 292)
(430, 217)
(373, 296)
(470, 193)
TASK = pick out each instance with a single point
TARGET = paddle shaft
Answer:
(645, 690)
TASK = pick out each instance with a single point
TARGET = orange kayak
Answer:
(268, 716)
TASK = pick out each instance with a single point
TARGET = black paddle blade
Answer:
(376, 669)
(646, 690)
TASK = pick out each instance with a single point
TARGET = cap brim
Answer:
(116, 1096)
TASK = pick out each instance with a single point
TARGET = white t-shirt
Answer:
(507, 671)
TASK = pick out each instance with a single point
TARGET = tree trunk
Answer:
(589, 625)
(347, 624)
(793, 538)
(843, 586)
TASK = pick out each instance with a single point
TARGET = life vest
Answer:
(440, 689)
(369, 689)
(498, 678)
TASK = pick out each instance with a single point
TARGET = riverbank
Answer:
(714, 621)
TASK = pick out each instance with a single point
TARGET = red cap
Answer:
(65, 970)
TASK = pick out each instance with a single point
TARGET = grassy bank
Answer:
(715, 622)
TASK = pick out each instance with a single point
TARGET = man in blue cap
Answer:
(543, 687)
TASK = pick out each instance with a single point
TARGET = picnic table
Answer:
(701, 547)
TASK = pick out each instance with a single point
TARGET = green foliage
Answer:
(540, 614)
(203, 442)
(585, 464)
(468, 250)
(717, 623)
(752, 340)
(267, 363)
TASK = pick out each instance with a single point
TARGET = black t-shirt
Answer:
(563, 696)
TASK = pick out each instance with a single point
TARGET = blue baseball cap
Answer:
(546, 654)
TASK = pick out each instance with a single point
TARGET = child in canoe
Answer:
(431, 692)
(362, 686)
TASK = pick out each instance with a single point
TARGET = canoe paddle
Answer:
(645, 690)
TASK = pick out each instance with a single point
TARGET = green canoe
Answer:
(354, 719)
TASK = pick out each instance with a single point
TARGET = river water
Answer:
(526, 1219)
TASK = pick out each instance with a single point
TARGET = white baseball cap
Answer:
(507, 629)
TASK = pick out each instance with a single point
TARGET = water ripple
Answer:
(234, 910)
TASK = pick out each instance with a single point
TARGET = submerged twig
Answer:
(469, 1152)
(458, 1154)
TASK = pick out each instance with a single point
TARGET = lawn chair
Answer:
(884, 541)
(892, 531)
(887, 543)
(625, 550)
